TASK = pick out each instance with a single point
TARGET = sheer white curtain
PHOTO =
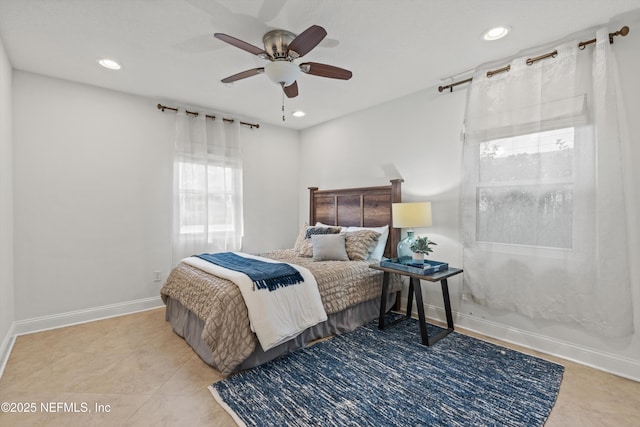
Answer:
(207, 186)
(542, 200)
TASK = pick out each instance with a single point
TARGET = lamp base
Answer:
(404, 247)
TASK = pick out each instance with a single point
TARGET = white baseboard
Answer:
(612, 363)
(6, 346)
(598, 359)
(37, 324)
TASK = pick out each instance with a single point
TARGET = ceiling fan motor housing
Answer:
(276, 44)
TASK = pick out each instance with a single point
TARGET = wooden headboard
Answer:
(358, 207)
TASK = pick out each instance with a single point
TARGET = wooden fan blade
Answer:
(324, 70)
(240, 44)
(292, 90)
(243, 75)
(307, 40)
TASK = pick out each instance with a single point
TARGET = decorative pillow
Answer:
(360, 243)
(300, 238)
(329, 247)
(378, 251)
(303, 246)
(320, 224)
(321, 230)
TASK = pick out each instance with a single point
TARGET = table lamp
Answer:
(410, 215)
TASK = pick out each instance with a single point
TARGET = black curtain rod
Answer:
(164, 107)
(622, 32)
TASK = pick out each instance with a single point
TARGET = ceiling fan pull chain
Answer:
(283, 119)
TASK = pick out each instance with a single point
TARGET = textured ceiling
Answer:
(393, 47)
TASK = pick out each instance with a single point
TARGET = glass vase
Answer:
(404, 247)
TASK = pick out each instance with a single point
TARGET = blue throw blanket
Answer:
(265, 275)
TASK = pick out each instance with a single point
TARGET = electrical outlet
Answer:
(157, 276)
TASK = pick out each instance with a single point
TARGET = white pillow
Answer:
(378, 252)
(319, 224)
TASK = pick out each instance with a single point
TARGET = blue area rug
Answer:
(371, 377)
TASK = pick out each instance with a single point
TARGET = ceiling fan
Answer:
(281, 48)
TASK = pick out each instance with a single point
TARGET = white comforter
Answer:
(275, 316)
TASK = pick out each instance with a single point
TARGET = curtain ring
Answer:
(531, 61)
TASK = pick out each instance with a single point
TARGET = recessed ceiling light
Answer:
(299, 113)
(496, 33)
(109, 63)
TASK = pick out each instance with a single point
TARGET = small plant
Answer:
(421, 245)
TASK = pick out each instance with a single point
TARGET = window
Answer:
(207, 186)
(525, 189)
(217, 204)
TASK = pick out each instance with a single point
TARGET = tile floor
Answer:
(134, 371)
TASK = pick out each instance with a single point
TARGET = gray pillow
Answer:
(329, 247)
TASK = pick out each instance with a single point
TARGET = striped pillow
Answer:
(360, 243)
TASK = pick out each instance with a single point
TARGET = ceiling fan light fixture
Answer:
(282, 72)
(496, 33)
(298, 113)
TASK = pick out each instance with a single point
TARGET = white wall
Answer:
(7, 313)
(92, 190)
(270, 188)
(418, 138)
(410, 138)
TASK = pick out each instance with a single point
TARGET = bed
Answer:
(209, 312)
